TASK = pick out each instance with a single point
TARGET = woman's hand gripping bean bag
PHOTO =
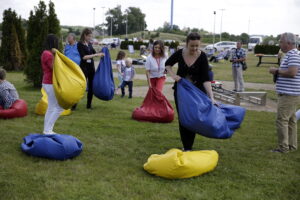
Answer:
(198, 114)
(176, 164)
(155, 108)
(18, 109)
(103, 85)
(57, 146)
(68, 81)
(42, 105)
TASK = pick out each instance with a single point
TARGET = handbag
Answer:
(244, 64)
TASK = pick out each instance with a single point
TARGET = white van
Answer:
(253, 41)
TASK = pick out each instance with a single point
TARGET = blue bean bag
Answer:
(103, 84)
(198, 114)
(57, 146)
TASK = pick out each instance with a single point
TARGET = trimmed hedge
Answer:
(266, 49)
(137, 44)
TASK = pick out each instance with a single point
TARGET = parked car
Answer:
(253, 41)
(110, 41)
(223, 45)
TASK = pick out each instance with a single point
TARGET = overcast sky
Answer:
(256, 16)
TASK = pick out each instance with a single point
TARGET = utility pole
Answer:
(221, 23)
(172, 9)
(249, 26)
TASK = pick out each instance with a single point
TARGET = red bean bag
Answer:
(155, 108)
(18, 109)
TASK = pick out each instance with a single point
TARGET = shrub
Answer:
(266, 49)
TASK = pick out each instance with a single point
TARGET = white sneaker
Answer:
(49, 133)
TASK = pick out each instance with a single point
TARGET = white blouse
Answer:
(156, 66)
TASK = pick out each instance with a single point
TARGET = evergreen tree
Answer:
(22, 40)
(10, 52)
(37, 32)
(53, 23)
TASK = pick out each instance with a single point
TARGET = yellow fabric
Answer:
(176, 164)
(68, 81)
(42, 105)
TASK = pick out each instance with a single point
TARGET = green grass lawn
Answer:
(116, 147)
(253, 74)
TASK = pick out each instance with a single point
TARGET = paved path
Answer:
(168, 92)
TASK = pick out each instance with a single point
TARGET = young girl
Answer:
(120, 67)
(155, 66)
(87, 53)
(47, 59)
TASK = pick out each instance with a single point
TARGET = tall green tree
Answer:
(136, 20)
(36, 34)
(11, 56)
(116, 20)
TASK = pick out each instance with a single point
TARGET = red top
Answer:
(47, 66)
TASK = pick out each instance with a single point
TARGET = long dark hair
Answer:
(193, 36)
(121, 55)
(84, 33)
(51, 42)
(162, 48)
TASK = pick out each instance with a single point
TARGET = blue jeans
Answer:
(123, 85)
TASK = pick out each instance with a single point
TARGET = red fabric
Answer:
(47, 66)
(18, 109)
(158, 83)
(155, 108)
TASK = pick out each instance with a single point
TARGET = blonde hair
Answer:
(128, 60)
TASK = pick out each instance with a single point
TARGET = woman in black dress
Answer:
(192, 65)
(87, 53)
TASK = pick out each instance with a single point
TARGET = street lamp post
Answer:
(111, 22)
(127, 25)
(103, 21)
(94, 18)
(214, 29)
(221, 23)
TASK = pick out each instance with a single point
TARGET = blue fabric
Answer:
(198, 114)
(57, 146)
(103, 85)
(71, 51)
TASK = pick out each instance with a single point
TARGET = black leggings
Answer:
(187, 136)
(89, 73)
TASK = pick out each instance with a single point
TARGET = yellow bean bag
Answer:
(175, 164)
(68, 81)
(42, 105)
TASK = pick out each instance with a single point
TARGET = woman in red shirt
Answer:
(54, 110)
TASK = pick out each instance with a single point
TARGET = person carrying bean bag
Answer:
(68, 81)
(176, 164)
(198, 114)
(155, 108)
(41, 106)
(103, 85)
(18, 109)
(54, 146)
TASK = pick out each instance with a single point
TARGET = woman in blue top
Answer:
(71, 50)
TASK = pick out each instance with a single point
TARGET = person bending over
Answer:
(8, 92)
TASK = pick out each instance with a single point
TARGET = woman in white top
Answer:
(155, 66)
(120, 67)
